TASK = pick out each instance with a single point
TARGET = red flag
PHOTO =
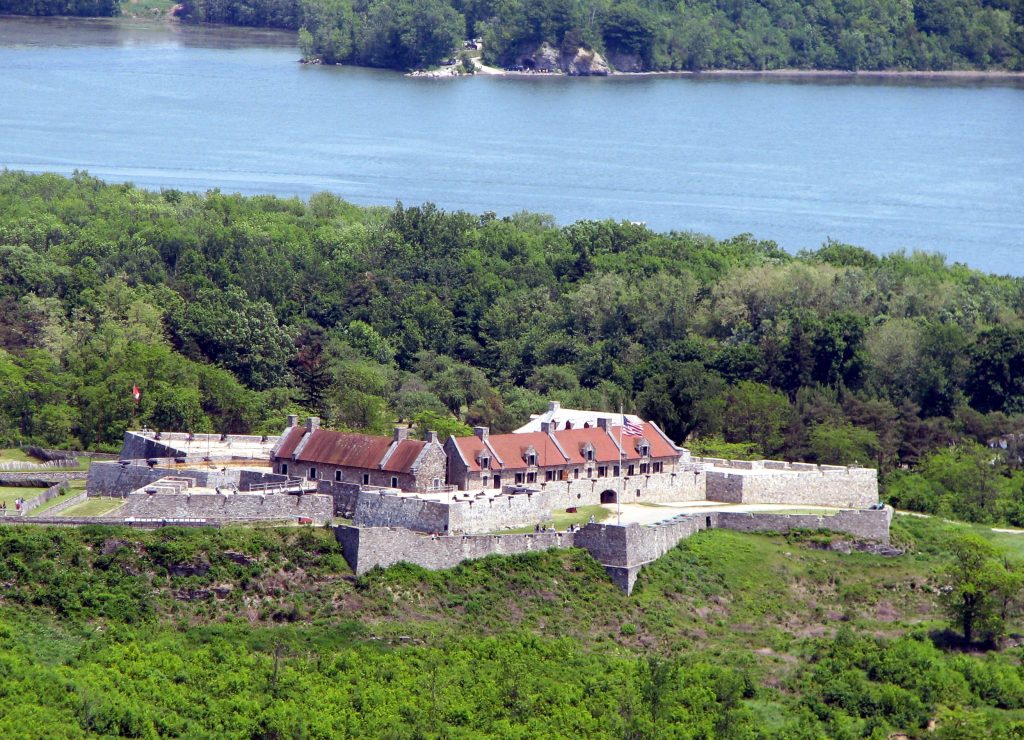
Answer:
(136, 393)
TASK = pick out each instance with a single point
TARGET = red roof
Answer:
(349, 450)
(574, 441)
(511, 448)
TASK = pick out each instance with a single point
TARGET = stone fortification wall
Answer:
(70, 501)
(622, 550)
(773, 482)
(114, 479)
(367, 548)
(39, 479)
(687, 484)
(384, 508)
(863, 524)
(345, 496)
(505, 511)
(239, 506)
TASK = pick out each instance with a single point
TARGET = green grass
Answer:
(97, 506)
(147, 8)
(13, 454)
(562, 520)
(41, 511)
(9, 493)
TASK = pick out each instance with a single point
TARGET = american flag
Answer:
(632, 428)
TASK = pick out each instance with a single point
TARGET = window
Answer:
(497, 481)
(485, 463)
(337, 475)
(531, 460)
(657, 467)
(575, 472)
(312, 473)
(645, 449)
(284, 468)
(643, 468)
(366, 479)
(590, 472)
(549, 475)
(437, 483)
(394, 481)
(519, 477)
(616, 473)
(602, 471)
(631, 470)
(590, 454)
(531, 477)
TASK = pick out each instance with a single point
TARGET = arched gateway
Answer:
(608, 497)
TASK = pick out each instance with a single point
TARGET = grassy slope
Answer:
(755, 601)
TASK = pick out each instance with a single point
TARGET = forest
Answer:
(650, 34)
(110, 632)
(230, 312)
(632, 34)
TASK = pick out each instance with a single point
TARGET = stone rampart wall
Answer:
(622, 550)
(380, 509)
(40, 479)
(863, 524)
(80, 498)
(367, 548)
(238, 506)
(114, 479)
(836, 487)
(345, 496)
(685, 485)
(505, 511)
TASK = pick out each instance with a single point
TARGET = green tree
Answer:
(979, 588)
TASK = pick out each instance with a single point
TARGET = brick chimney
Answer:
(312, 423)
(401, 433)
(603, 422)
(545, 426)
(293, 420)
(554, 405)
(432, 438)
(482, 432)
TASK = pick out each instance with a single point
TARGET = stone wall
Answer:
(238, 506)
(504, 511)
(688, 484)
(770, 482)
(367, 548)
(862, 524)
(114, 479)
(622, 550)
(385, 508)
(40, 479)
(345, 496)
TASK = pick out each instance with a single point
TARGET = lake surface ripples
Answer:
(885, 164)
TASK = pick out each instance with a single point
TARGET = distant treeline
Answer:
(652, 35)
(90, 8)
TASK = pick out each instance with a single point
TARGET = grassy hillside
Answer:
(266, 633)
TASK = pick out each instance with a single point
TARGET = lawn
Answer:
(13, 454)
(96, 506)
(10, 493)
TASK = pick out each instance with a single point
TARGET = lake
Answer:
(885, 164)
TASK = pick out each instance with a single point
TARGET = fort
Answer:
(394, 499)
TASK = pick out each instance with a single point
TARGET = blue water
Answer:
(884, 165)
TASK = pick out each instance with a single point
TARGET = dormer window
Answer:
(644, 448)
(530, 456)
(485, 463)
(531, 459)
(588, 452)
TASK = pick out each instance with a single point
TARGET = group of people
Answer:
(18, 504)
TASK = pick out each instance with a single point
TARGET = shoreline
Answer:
(965, 75)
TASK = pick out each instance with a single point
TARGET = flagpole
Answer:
(622, 478)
